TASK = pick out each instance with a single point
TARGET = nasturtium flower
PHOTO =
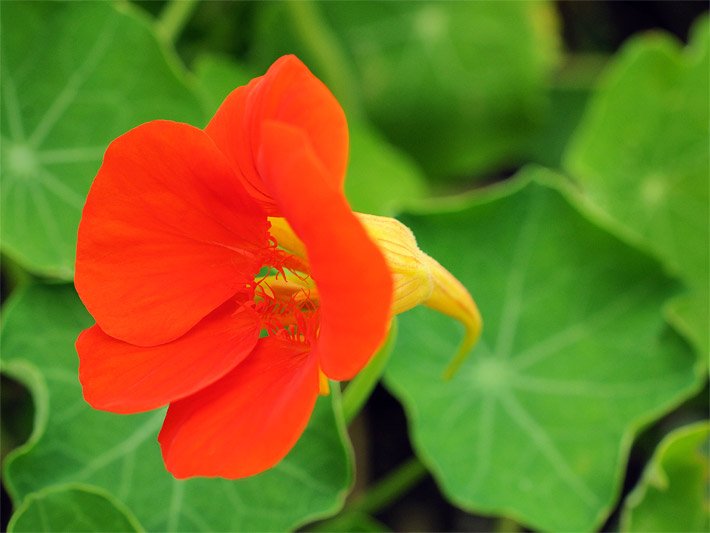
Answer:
(230, 280)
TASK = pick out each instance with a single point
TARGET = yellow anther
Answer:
(298, 289)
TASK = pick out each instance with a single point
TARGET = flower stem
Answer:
(327, 50)
(173, 19)
(388, 490)
(408, 475)
(359, 389)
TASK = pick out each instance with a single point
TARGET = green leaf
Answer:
(218, 76)
(380, 178)
(72, 508)
(574, 357)
(569, 94)
(689, 315)
(641, 157)
(73, 443)
(567, 105)
(96, 72)
(458, 85)
(672, 494)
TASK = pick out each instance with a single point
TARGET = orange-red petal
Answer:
(228, 129)
(124, 378)
(167, 235)
(291, 94)
(247, 421)
(354, 283)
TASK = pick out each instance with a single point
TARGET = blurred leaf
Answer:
(569, 94)
(642, 158)
(218, 76)
(458, 85)
(380, 178)
(72, 508)
(96, 72)
(689, 315)
(567, 106)
(574, 357)
(672, 494)
(73, 443)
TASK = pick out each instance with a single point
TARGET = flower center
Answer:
(287, 302)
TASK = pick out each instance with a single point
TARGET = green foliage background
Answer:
(569, 193)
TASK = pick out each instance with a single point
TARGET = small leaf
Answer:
(574, 357)
(73, 443)
(72, 508)
(672, 494)
(641, 157)
(96, 72)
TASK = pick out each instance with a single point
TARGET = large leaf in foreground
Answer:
(72, 508)
(538, 422)
(72, 442)
(672, 494)
(75, 75)
(642, 158)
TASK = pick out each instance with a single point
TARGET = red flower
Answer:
(171, 243)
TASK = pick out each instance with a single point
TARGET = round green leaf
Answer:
(96, 72)
(73, 443)
(538, 422)
(672, 494)
(72, 508)
(642, 159)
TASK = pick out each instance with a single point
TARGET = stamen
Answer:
(288, 307)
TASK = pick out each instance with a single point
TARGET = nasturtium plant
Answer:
(575, 356)
(592, 279)
(65, 96)
(458, 85)
(73, 443)
(672, 494)
(642, 161)
(72, 507)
